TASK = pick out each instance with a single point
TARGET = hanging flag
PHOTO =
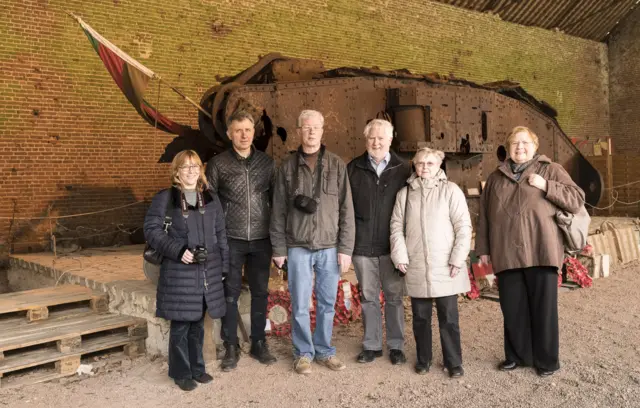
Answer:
(132, 78)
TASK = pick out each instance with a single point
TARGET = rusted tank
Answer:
(468, 121)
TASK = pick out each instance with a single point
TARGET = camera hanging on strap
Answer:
(303, 202)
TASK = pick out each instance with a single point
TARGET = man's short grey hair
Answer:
(425, 151)
(385, 125)
(309, 113)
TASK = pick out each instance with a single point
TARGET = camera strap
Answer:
(185, 205)
(406, 206)
(317, 183)
(167, 213)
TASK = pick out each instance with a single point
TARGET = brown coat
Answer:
(516, 226)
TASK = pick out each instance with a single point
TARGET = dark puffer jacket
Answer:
(373, 201)
(244, 187)
(183, 289)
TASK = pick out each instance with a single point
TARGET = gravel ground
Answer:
(600, 357)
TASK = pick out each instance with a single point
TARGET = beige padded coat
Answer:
(438, 234)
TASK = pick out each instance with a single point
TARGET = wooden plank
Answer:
(33, 299)
(32, 358)
(17, 323)
(47, 331)
(138, 329)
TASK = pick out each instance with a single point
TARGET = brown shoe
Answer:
(332, 363)
(302, 365)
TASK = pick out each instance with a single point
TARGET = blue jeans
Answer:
(302, 263)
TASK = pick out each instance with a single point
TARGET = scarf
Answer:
(519, 168)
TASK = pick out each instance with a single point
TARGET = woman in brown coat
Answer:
(518, 234)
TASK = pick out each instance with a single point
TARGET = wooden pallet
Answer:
(62, 337)
(36, 303)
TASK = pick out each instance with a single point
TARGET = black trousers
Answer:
(448, 321)
(529, 303)
(186, 340)
(255, 257)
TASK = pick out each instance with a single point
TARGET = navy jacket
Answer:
(184, 290)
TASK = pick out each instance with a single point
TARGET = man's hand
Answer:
(453, 271)
(485, 260)
(187, 257)
(279, 261)
(345, 262)
(538, 182)
(403, 268)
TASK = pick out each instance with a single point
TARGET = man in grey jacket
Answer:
(243, 178)
(312, 225)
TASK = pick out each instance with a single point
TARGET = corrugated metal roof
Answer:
(591, 19)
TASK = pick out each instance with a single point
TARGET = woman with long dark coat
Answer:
(518, 234)
(196, 257)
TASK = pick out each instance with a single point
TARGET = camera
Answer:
(305, 203)
(199, 254)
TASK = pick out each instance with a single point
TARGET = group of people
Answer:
(407, 232)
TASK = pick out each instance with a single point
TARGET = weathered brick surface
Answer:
(70, 140)
(624, 60)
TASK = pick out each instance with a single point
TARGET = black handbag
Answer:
(151, 254)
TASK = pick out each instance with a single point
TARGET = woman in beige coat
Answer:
(518, 234)
(430, 242)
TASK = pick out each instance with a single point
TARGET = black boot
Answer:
(260, 352)
(231, 357)
(186, 384)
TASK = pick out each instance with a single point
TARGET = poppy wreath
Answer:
(474, 293)
(347, 306)
(577, 272)
(279, 312)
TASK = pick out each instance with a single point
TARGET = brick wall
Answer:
(624, 61)
(71, 143)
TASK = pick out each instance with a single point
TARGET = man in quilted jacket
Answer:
(242, 177)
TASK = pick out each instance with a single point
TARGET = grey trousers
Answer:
(372, 273)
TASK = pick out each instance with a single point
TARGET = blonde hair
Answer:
(425, 151)
(179, 160)
(518, 129)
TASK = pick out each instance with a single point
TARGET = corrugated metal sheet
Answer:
(591, 19)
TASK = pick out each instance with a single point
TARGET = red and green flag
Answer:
(132, 78)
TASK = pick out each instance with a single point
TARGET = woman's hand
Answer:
(538, 182)
(485, 260)
(453, 271)
(403, 268)
(187, 257)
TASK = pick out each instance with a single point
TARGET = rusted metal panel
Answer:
(469, 122)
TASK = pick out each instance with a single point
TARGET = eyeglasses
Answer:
(515, 144)
(310, 128)
(193, 167)
(424, 164)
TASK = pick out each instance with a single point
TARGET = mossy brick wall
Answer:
(624, 60)
(71, 143)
